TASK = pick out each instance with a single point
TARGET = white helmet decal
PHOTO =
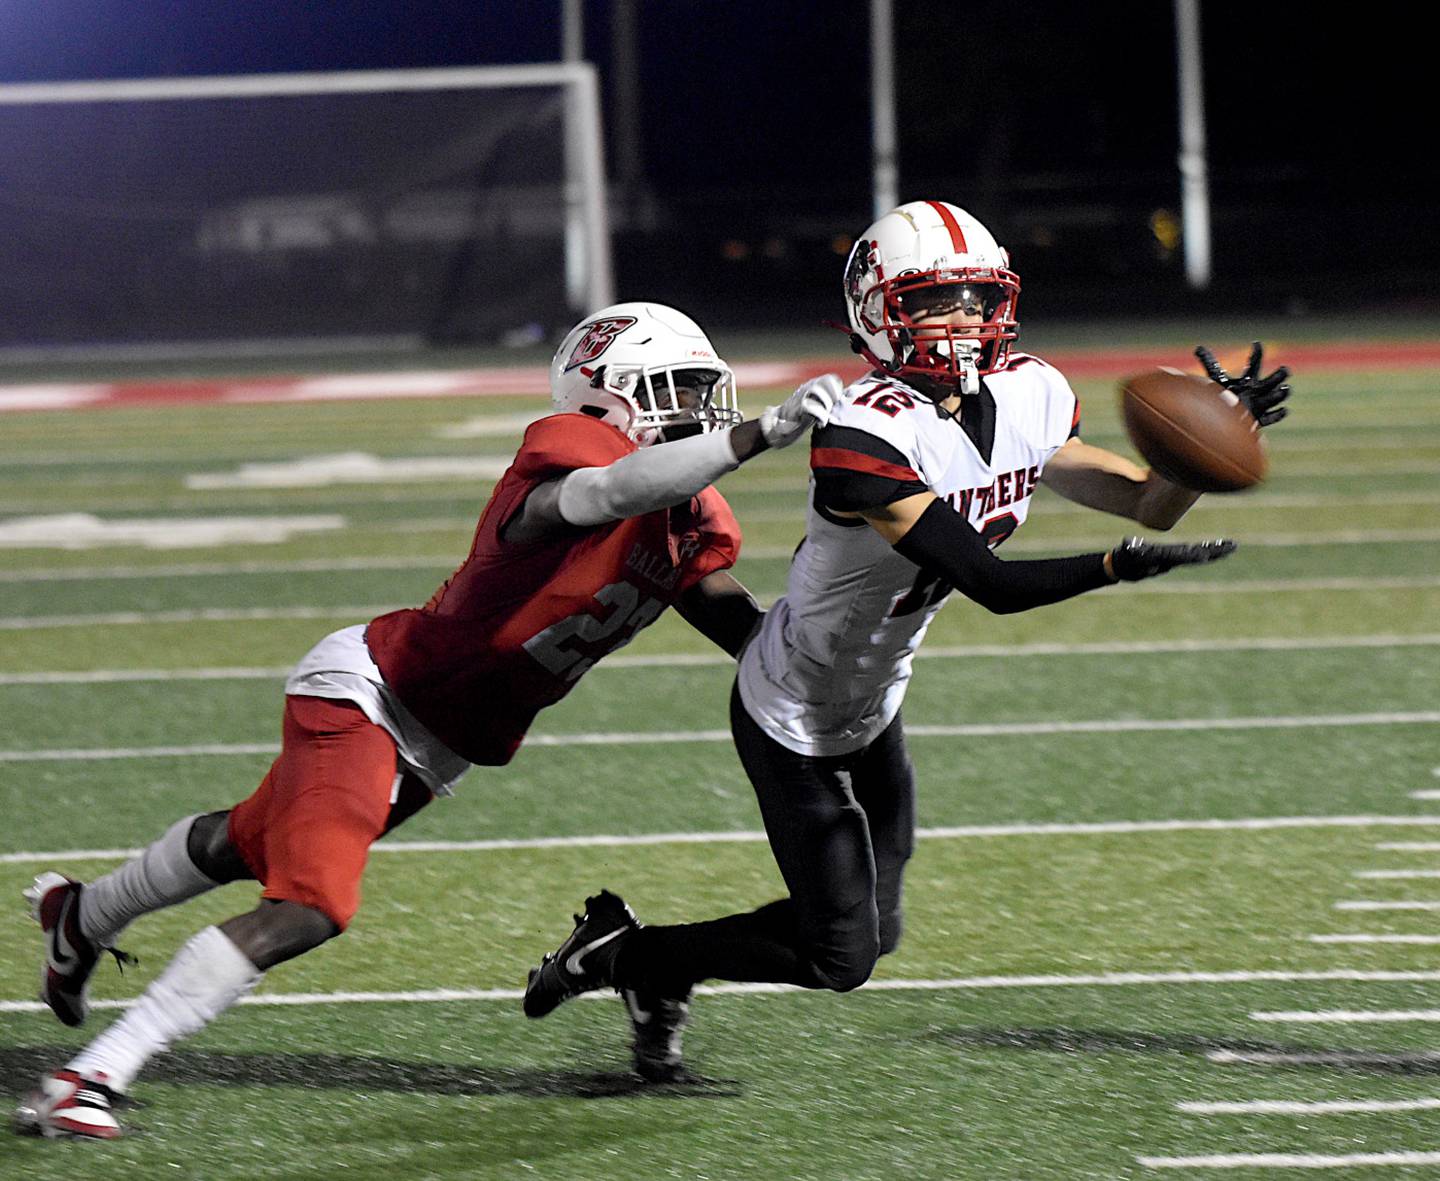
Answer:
(598, 338)
(643, 367)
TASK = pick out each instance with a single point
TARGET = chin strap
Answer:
(969, 372)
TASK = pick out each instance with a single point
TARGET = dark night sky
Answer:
(1320, 133)
(736, 85)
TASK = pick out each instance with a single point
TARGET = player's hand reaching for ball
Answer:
(1259, 395)
(1135, 558)
(808, 406)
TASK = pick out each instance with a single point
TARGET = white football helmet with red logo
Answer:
(929, 258)
(643, 367)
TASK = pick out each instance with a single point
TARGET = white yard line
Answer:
(247, 614)
(1291, 1160)
(953, 984)
(1356, 1058)
(1368, 937)
(202, 615)
(1346, 1016)
(741, 836)
(450, 560)
(669, 737)
(1297, 540)
(1300, 1107)
(1382, 874)
(1425, 794)
(369, 611)
(1366, 905)
(101, 676)
(719, 659)
(226, 569)
(1410, 846)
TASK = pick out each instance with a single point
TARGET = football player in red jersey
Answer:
(605, 518)
(925, 466)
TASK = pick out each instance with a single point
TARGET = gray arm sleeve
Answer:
(654, 477)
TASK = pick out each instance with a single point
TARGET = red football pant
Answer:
(306, 832)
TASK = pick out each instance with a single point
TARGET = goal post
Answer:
(394, 207)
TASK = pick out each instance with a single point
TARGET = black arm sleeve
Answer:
(726, 619)
(944, 543)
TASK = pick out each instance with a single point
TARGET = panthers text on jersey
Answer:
(513, 629)
(828, 670)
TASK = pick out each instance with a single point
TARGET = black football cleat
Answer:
(583, 962)
(658, 1022)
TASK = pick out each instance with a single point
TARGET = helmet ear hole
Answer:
(594, 411)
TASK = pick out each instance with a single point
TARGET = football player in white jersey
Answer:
(927, 464)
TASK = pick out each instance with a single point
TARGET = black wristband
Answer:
(945, 544)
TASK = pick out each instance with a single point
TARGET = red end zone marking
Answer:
(534, 380)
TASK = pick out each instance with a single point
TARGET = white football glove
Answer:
(810, 405)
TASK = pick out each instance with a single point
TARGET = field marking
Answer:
(1346, 1016)
(671, 737)
(1397, 873)
(1425, 794)
(1084, 541)
(1290, 1160)
(1359, 1058)
(1367, 937)
(742, 836)
(1366, 905)
(200, 615)
(1410, 846)
(103, 676)
(951, 984)
(1302, 1107)
(719, 659)
(74, 531)
(250, 614)
(226, 569)
(350, 467)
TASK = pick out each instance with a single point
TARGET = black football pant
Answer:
(841, 829)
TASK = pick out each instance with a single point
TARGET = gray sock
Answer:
(161, 876)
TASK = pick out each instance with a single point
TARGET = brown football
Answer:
(1192, 431)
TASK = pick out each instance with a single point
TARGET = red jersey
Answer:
(513, 629)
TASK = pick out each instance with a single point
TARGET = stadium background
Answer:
(1176, 844)
(739, 149)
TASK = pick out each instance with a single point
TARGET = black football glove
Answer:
(1259, 395)
(1135, 558)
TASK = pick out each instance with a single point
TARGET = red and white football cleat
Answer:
(70, 957)
(65, 1104)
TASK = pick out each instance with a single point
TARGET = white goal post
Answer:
(588, 270)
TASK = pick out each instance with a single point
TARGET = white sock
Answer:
(206, 977)
(161, 876)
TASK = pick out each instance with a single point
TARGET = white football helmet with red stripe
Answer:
(644, 368)
(929, 258)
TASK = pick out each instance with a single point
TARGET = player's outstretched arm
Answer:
(1102, 480)
(722, 610)
(943, 543)
(667, 474)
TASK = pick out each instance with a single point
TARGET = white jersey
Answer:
(829, 667)
(340, 667)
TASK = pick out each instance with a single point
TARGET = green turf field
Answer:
(1148, 817)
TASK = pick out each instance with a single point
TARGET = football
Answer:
(1192, 431)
